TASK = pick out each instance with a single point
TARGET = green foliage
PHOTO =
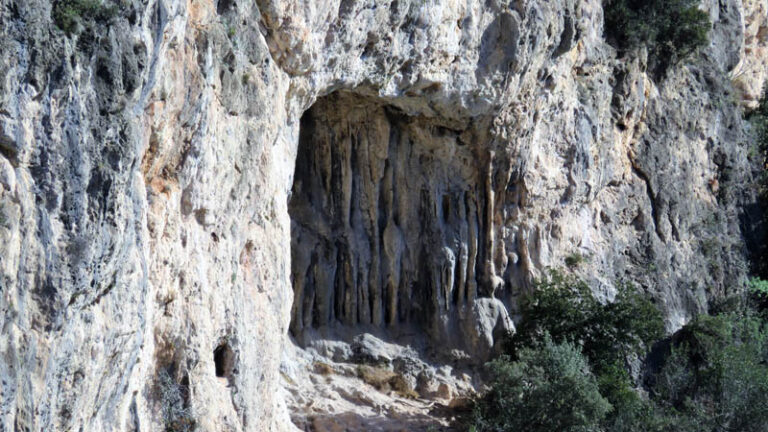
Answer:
(559, 305)
(574, 260)
(549, 388)
(563, 312)
(710, 376)
(71, 14)
(758, 293)
(759, 116)
(716, 377)
(670, 29)
(564, 307)
(631, 412)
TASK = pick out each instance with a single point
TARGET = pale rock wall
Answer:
(146, 166)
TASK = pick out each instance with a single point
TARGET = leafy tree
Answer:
(549, 388)
(631, 412)
(757, 289)
(710, 376)
(564, 307)
(670, 29)
(715, 377)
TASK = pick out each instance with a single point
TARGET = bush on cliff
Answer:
(564, 307)
(577, 329)
(710, 376)
(670, 29)
(69, 14)
(715, 375)
(757, 290)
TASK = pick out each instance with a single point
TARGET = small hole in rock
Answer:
(224, 6)
(224, 358)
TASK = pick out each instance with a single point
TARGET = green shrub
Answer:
(631, 412)
(70, 14)
(710, 376)
(716, 377)
(758, 294)
(560, 305)
(670, 29)
(549, 388)
(574, 259)
(564, 307)
(760, 115)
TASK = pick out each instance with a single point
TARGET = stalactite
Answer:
(392, 219)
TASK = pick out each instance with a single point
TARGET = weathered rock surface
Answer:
(438, 157)
(382, 387)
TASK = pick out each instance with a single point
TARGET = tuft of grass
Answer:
(323, 368)
(408, 394)
(575, 259)
(400, 385)
(287, 378)
(386, 380)
(376, 376)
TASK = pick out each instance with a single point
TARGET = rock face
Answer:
(438, 157)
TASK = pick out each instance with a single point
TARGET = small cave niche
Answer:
(225, 6)
(224, 360)
(388, 223)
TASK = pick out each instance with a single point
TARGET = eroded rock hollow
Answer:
(389, 222)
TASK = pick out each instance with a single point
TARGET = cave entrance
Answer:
(387, 217)
(224, 361)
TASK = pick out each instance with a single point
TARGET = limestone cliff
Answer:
(173, 173)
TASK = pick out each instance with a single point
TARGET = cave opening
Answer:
(224, 360)
(225, 6)
(388, 219)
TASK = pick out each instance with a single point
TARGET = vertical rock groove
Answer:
(387, 213)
